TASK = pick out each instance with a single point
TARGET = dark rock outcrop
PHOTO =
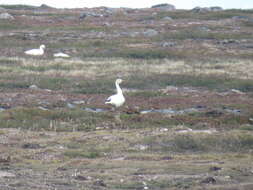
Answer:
(206, 9)
(164, 7)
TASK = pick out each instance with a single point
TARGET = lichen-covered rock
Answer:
(6, 16)
(150, 33)
(164, 7)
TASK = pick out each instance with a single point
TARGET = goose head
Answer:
(118, 81)
(42, 46)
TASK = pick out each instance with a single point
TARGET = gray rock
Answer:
(167, 18)
(201, 9)
(34, 87)
(150, 33)
(243, 18)
(44, 6)
(216, 8)
(206, 9)
(90, 14)
(240, 17)
(78, 102)
(228, 41)
(4, 174)
(168, 44)
(2, 109)
(164, 7)
(6, 16)
(209, 180)
(71, 106)
(82, 16)
(31, 146)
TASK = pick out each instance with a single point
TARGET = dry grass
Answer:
(97, 67)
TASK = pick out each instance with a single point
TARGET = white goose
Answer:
(39, 51)
(60, 54)
(118, 99)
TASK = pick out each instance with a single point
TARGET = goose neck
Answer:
(119, 91)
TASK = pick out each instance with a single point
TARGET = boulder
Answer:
(90, 14)
(150, 32)
(206, 9)
(6, 16)
(201, 9)
(44, 6)
(82, 16)
(164, 7)
(216, 8)
(168, 44)
(167, 18)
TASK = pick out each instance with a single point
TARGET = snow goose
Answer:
(39, 51)
(60, 54)
(117, 99)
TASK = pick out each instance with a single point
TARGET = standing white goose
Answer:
(118, 99)
(39, 51)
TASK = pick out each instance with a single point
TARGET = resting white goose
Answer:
(39, 51)
(118, 99)
(60, 54)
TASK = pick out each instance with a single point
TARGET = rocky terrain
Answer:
(187, 122)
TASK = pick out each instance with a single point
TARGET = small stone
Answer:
(5, 159)
(6, 174)
(167, 158)
(42, 108)
(150, 33)
(78, 102)
(210, 180)
(215, 168)
(100, 182)
(251, 120)
(168, 44)
(34, 87)
(167, 18)
(81, 178)
(83, 16)
(71, 106)
(141, 147)
(31, 146)
(164, 130)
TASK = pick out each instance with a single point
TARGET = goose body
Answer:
(117, 99)
(60, 54)
(39, 51)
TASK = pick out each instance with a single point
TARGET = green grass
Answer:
(82, 154)
(18, 7)
(234, 141)
(14, 85)
(246, 127)
(225, 14)
(217, 82)
(193, 33)
(60, 120)
(144, 54)
(6, 25)
(54, 83)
